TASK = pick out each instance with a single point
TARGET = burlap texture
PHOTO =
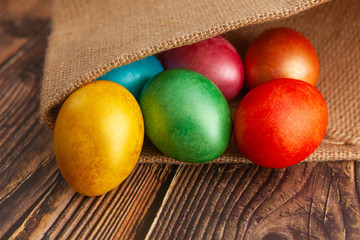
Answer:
(91, 37)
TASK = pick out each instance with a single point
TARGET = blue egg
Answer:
(133, 76)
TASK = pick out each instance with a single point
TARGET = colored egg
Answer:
(98, 137)
(281, 53)
(133, 76)
(280, 122)
(186, 116)
(216, 58)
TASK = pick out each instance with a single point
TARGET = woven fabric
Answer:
(91, 37)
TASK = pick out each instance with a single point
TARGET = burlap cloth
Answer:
(91, 37)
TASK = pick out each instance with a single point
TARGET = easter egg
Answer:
(281, 53)
(215, 58)
(133, 76)
(280, 122)
(98, 137)
(186, 116)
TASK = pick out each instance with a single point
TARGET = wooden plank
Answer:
(26, 150)
(62, 213)
(20, 20)
(306, 201)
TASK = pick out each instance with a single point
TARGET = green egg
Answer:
(186, 116)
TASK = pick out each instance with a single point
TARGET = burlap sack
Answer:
(91, 37)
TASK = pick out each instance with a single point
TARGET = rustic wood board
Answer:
(20, 21)
(306, 201)
(158, 201)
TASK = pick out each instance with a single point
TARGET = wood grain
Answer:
(25, 145)
(20, 21)
(306, 201)
(63, 214)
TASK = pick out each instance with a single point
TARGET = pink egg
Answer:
(215, 58)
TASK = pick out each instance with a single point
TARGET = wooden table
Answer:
(158, 201)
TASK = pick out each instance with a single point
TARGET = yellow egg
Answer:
(98, 136)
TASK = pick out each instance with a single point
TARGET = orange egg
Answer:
(98, 137)
(281, 53)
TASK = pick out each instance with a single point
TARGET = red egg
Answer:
(280, 53)
(215, 58)
(280, 122)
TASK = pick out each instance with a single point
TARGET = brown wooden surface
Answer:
(234, 201)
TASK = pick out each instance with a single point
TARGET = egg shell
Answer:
(215, 58)
(281, 53)
(186, 116)
(133, 76)
(280, 123)
(98, 137)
